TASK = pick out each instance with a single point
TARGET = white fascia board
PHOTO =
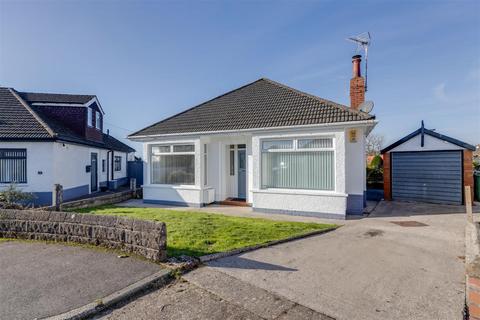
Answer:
(94, 99)
(348, 124)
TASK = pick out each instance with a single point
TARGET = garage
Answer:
(426, 166)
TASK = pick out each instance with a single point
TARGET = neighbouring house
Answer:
(279, 149)
(48, 139)
(427, 166)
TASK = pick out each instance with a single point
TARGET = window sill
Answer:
(172, 186)
(301, 192)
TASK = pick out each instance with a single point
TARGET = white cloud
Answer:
(439, 92)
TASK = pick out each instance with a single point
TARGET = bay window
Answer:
(172, 164)
(303, 163)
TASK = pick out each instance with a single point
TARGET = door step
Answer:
(234, 202)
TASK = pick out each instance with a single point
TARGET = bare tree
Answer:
(374, 144)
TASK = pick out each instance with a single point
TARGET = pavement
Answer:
(41, 280)
(369, 268)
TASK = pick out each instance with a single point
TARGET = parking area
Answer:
(405, 261)
(41, 280)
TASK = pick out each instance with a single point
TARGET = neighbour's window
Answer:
(103, 165)
(298, 164)
(90, 117)
(117, 164)
(173, 164)
(232, 159)
(13, 166)
(98, 123)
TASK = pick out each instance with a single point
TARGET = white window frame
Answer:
(296, 149)
(171, 152)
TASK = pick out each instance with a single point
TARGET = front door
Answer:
(93, 172)
(242, 174)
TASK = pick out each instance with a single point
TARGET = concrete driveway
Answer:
(370, 268)
(40, 280)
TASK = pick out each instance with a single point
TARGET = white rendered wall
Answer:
(39, 160)
(355, 163)
(430, 144)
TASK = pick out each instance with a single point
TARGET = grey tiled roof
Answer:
(20, 122)
(260, 104)
(32, 97)
(16, 121)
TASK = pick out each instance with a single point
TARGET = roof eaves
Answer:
(33, 113)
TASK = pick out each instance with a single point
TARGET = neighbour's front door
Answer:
(242, 174)
(93, 172)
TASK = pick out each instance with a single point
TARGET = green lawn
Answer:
(200, 233)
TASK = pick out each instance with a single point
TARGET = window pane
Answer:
(184, 148)
(97, 120)
(277, 144)
(89, 117)
(298, 170)
(232, 162)
(160, 149)
(173, 169)
(13, 165)
(315, 143)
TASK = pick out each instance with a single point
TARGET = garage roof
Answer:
(422, 130)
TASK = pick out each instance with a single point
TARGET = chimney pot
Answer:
(356, 60)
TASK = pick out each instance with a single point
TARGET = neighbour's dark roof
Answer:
(260, 104)
(32, 97)
(16, 121)
(430, 133)
(22, 121)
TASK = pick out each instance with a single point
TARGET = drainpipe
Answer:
(108, 167)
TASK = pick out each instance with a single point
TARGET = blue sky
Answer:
(147, 60)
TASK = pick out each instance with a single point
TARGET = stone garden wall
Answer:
(144, 238)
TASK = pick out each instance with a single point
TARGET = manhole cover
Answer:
(409, 223)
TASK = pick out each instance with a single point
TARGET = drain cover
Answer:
(409, 223)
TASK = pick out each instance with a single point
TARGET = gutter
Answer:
(371, 123)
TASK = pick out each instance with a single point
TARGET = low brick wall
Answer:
(145, 238)
(96, 201)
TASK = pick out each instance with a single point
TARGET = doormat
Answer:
(409, 223)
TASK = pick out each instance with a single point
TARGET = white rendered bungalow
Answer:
(276, 148)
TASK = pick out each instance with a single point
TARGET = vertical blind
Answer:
(13, 166)
(298, 167)
(173, 164)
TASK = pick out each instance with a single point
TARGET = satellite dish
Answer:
(366, 106)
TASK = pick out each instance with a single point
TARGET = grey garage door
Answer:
(428, 176)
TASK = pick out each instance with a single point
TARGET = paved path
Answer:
(368, 269)
(208, 294)
(40, 280)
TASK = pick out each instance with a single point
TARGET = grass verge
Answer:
(199, 233)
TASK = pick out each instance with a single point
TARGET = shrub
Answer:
(14, 198)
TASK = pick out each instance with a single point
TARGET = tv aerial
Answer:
(363, 41)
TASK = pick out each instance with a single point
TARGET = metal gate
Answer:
(428, 176)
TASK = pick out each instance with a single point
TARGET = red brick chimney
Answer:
(357, 84)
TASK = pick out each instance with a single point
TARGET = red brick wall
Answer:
(473, 297)
(468, 169)
(387, 183)
(357, 92)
